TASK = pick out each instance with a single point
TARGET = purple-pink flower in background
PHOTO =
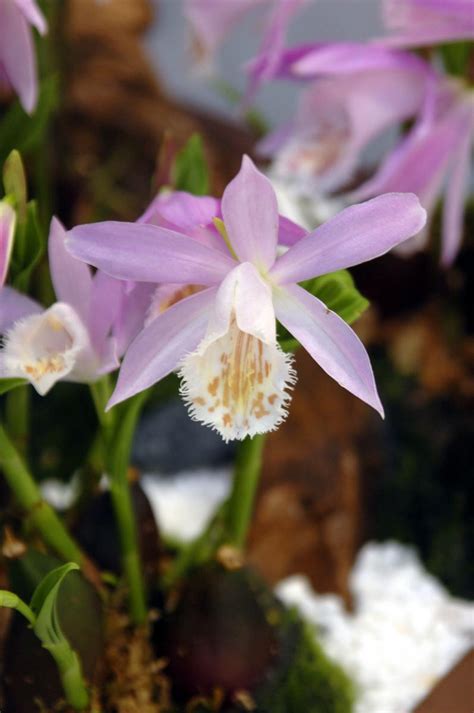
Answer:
(7, 232)
(72, 339)
(213, 20)
(435, 158)
(356, 93)
(415, 23)
(222, 338)
(17, 51)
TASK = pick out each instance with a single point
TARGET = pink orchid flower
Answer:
(356, 93)
(7, 232)
(222, 339)
(415, 23)
(72, 339)
(17, 51)
(434, 158)
(213, 20)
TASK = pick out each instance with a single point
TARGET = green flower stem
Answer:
(70, 672)
(40, 514)
(17, 416)
(246, 478)
(118, 435)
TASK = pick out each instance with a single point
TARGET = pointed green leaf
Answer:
(13, 601)
(339, 293)
(43, 603)
(9, 384)
(190, 171)
(28, 249)
(14, 182)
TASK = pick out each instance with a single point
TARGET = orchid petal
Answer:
(44, 348)
(17, 54)
(250, 212)
(15, 306)
(342, 58)
(136, 304)
(238, 295)
(289, 233)
(237, 380)
(71, 278)
(212, 20)
(105, 303)
(357, 234)
(453, 211)
(182, 211)
(416, 23)
(159, 348)
(329, 340)
(33, 14)
(7, 232)
(147, 253)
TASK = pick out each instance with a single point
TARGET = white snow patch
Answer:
(184, 504)
(405, 634)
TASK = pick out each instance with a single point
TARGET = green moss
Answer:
(309, 682)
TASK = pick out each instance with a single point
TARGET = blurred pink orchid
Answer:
(70, 340)
(222, 338)
(415, 23)
(17, 50)
(7, 232)
(213, 20)
(357, 92)
(435, 157)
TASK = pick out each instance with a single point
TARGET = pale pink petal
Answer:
(212, 20)
(33, 14)
(17, 54)
(7, 232)
(415, 23)
(453, 210)
(15, 306)
(357, 234)
(243, 295)
(181, 211)
(329, 340)
(250, 211)
(147, 253)
(159, 348)
(71, 278)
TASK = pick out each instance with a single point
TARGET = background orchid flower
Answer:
(222, 339)
(17, 50)
(357, 92)
(70, 340)
(7, 232)
(434, 158)
(415, 23)
(213, 20)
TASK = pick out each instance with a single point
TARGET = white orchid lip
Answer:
(45, 348)
(237, 383)
(237, 380)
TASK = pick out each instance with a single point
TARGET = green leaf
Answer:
(48, 630)
(339, 293)
(9, 384)
(43, 604)
(26, 132)
(28, 248)
(456, 57)
(13, 601)
(14, 182)
(190, 171)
